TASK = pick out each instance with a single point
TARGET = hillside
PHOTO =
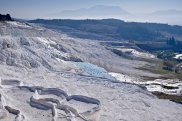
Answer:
(118, 29)
(144, 35)
(50, 76)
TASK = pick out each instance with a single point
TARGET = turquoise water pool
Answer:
(93, 70)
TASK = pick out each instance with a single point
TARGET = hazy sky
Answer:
(42, 8)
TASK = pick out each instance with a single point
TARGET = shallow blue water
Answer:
(93, 70)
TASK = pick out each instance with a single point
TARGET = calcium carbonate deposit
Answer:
(48, 76)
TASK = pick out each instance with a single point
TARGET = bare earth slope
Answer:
(47, 76)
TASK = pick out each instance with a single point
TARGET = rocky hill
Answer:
(6, 17)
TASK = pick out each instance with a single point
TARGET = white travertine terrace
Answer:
(48, 76)
(53, 104)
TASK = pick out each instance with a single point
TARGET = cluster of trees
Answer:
(172, 66)
(169, 65)
(171, 41)
(6, 17)
(166, 55)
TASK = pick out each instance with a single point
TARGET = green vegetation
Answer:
(165, 55)
(169, 65)
(174, 98)
(158, 69)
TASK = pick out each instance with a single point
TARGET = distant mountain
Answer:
(99, 11)
(171, 16)
(169, 12)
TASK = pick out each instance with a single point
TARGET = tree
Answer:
(168, 65)
(8, 17)
(171, 41)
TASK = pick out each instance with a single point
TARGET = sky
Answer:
(31, 9)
